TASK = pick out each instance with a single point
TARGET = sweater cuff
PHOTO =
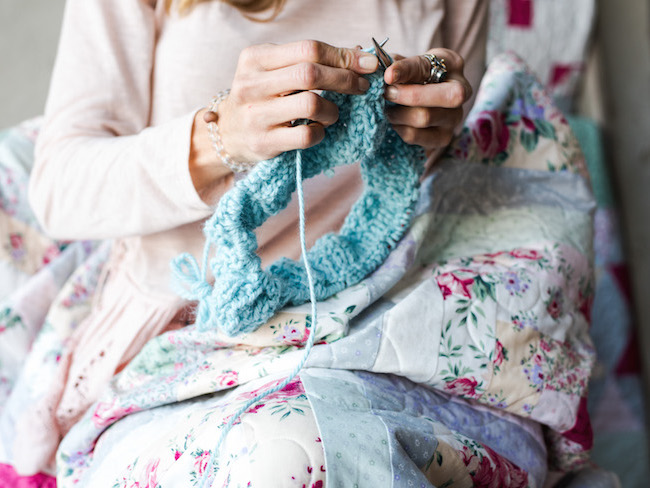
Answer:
(171, 158)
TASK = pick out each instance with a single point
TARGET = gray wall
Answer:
(29, 32)
(624, 38)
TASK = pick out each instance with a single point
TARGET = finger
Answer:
(273, 56)
(450, 94)
(285, 139)
(408, 74)
(423, 117)
(308, 76)
(430, 138)
(305, 105)
(416, 69)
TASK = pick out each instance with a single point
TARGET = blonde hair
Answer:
(246, 7)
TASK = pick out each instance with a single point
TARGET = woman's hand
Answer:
(426, 114)
(271, 88)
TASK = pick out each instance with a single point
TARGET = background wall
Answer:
(623, 35)
(29, 32)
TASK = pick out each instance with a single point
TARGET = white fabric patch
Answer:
(411, 335)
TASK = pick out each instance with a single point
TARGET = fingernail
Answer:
(396, 75)
(368, 62)
(363, 84)
(391, 93)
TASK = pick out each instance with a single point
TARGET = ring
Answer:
(438, 72)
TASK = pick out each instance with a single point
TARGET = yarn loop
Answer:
(244, 296)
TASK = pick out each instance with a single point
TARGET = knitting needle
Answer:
(384, 59)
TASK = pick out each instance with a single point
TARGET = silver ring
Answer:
(438, 72)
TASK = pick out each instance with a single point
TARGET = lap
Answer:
(275, 443)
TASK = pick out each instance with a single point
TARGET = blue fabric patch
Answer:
(379, 430)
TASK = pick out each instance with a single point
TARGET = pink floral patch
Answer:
(490, 132)
(106, 414)
(463, 387)
(525, 254)
(17, 246)
(293, 389)
(555, 303)
(228, 379)
(528, 124)
(50, 254)
(201, 462)
(451, 284)
(294, 335)
(16, 241)
(150, 475)
(256, 408)
(493, 470)
(498, 354)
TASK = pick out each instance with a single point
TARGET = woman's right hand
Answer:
(271, 88)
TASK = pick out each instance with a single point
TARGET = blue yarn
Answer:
(244, 296)
(308, 346)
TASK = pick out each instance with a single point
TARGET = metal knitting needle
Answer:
(384, 59)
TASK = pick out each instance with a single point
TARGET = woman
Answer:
(125, 154)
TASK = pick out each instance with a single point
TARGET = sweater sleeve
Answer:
(100, 171)
(464, 29)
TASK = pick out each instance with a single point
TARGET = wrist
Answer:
(212, 119)
(206, 169)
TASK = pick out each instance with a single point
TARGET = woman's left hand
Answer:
(426, 115)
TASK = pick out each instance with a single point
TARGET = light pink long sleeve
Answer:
(112, 160)
(100, 171)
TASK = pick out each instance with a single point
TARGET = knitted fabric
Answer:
(244, 296)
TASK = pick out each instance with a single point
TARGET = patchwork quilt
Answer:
(463, 360)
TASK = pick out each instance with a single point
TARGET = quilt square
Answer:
(520, 13)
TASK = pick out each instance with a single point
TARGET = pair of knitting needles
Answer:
(384, 59)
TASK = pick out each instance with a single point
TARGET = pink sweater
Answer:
(112, 158)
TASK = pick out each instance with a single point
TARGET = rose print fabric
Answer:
(35, 274)
(180, 436)
(462, 361)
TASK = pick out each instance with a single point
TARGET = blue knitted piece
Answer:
(244, 296)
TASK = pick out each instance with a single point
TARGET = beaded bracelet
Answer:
(215, 136)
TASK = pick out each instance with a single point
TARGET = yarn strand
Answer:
(310, 327)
